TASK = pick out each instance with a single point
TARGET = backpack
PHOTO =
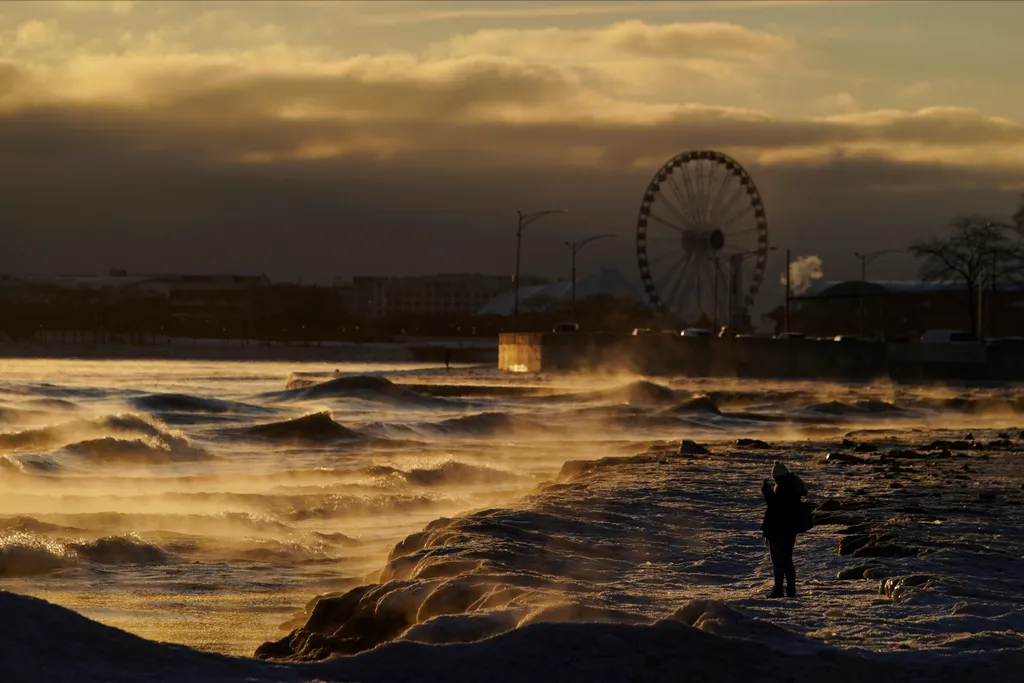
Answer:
(805, 520)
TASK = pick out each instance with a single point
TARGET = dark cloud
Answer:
(161, 189)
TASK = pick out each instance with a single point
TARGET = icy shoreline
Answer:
(542, 587)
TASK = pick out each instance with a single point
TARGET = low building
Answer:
(898, 309)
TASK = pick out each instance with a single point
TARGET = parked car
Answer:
(790, 335)
(845, 338)
(566, 328)
(948, 337)
(696, 332)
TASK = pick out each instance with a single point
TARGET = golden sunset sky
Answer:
(323, 139)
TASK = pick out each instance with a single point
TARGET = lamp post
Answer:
(575, 246)
(788, 297)
(524, 220)
(865, 259)
(735, 261)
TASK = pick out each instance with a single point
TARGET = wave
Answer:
(136, 451)
(117, 425)
(188, 403)
(448, 473)
(365, 387)
(639, 392)
(315, 428)
(484, 425)
(120, 550)
(863, 407)
(25, 554)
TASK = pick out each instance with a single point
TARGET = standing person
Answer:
(785, 517)
(448, 360)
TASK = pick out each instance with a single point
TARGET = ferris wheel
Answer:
(702, 239)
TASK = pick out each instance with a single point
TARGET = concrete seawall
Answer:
(710, 357)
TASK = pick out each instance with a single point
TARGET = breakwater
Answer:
(664, 354)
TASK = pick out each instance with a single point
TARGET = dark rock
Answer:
(850, 544)
(846, 443)
(843, 458)
(752, 443)
(885, 550)
(688, 447)
(829, 505)
(851, 573)
(969, 436)
(896, 587)
(866, 448)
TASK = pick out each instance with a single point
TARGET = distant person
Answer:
(787, 515)
(448, 360)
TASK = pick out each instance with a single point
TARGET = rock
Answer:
(850, 544)
(843, 458)
(851, 573)
(688, 447)
(866, 448)
(885, 550)
(898, 586)
(829, 505)
(752, 443)
(969, 436)
(846, 443)
(876, 573)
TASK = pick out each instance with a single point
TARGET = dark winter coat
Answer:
(782, 518)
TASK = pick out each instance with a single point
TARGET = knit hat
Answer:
(779, 470)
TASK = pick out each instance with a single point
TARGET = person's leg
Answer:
(788, 566)
(775, 549)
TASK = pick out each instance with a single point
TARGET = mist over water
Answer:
(208, 503)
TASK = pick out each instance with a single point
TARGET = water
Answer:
(208, 503)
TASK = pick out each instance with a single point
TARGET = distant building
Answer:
(905, 309)
(539, 298)
(428, 295)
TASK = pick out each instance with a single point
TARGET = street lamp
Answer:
(865, 259)
(524, 220)
(735, 261)
(575, 246)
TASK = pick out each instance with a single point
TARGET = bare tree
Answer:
(978, 251)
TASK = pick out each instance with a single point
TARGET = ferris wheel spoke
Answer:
(674, 274)
(691, 193)
(685, 203)
(742, 212)
(719, 196)
(712, 182)
(672, 292)
(727, 207)
(667, 224)
(676, 211)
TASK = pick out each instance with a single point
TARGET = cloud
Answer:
(36, 33)
(284, 158)
(117, 7)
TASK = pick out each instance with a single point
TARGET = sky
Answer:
(323, 140)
